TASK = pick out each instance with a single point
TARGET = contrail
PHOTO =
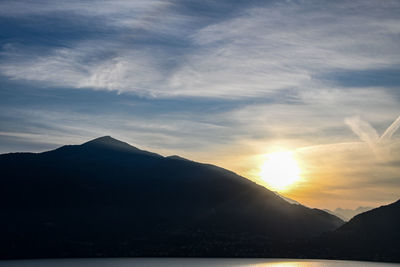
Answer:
(368, 134)
(365, 132)
(390, 130)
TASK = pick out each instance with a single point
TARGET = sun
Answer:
(280, 170)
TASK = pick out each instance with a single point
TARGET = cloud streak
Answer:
(379, 145)
(254, 54)
(390, 130)
(363, 130)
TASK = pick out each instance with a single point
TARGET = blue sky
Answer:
(223, 82)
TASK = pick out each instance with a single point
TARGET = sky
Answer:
(222, 82)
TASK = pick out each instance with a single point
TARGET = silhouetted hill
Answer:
(372, 235)
(107, 198)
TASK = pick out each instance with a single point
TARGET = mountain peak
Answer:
(104, 140)
(108, 142)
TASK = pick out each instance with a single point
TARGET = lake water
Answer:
(181, 262)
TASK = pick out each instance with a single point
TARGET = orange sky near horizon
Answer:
(346, 175)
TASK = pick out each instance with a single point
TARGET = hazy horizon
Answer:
(246, 85)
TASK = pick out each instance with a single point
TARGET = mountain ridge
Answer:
(369, 236)
(110, 199)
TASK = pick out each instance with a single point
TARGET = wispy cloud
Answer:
(253, 54)
(20, 8)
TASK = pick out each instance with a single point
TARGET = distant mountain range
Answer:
(347, 214)
(105, 198)
(373, 235)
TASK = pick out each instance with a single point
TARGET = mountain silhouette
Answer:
(372, 235)
(106, 198)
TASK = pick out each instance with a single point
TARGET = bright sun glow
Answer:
(280, 170)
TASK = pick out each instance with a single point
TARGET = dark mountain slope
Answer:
(107, 198)
(372, 235)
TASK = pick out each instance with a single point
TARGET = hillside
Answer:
(372, 235)
(107, 198)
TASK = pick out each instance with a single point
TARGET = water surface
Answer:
(180, 262)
